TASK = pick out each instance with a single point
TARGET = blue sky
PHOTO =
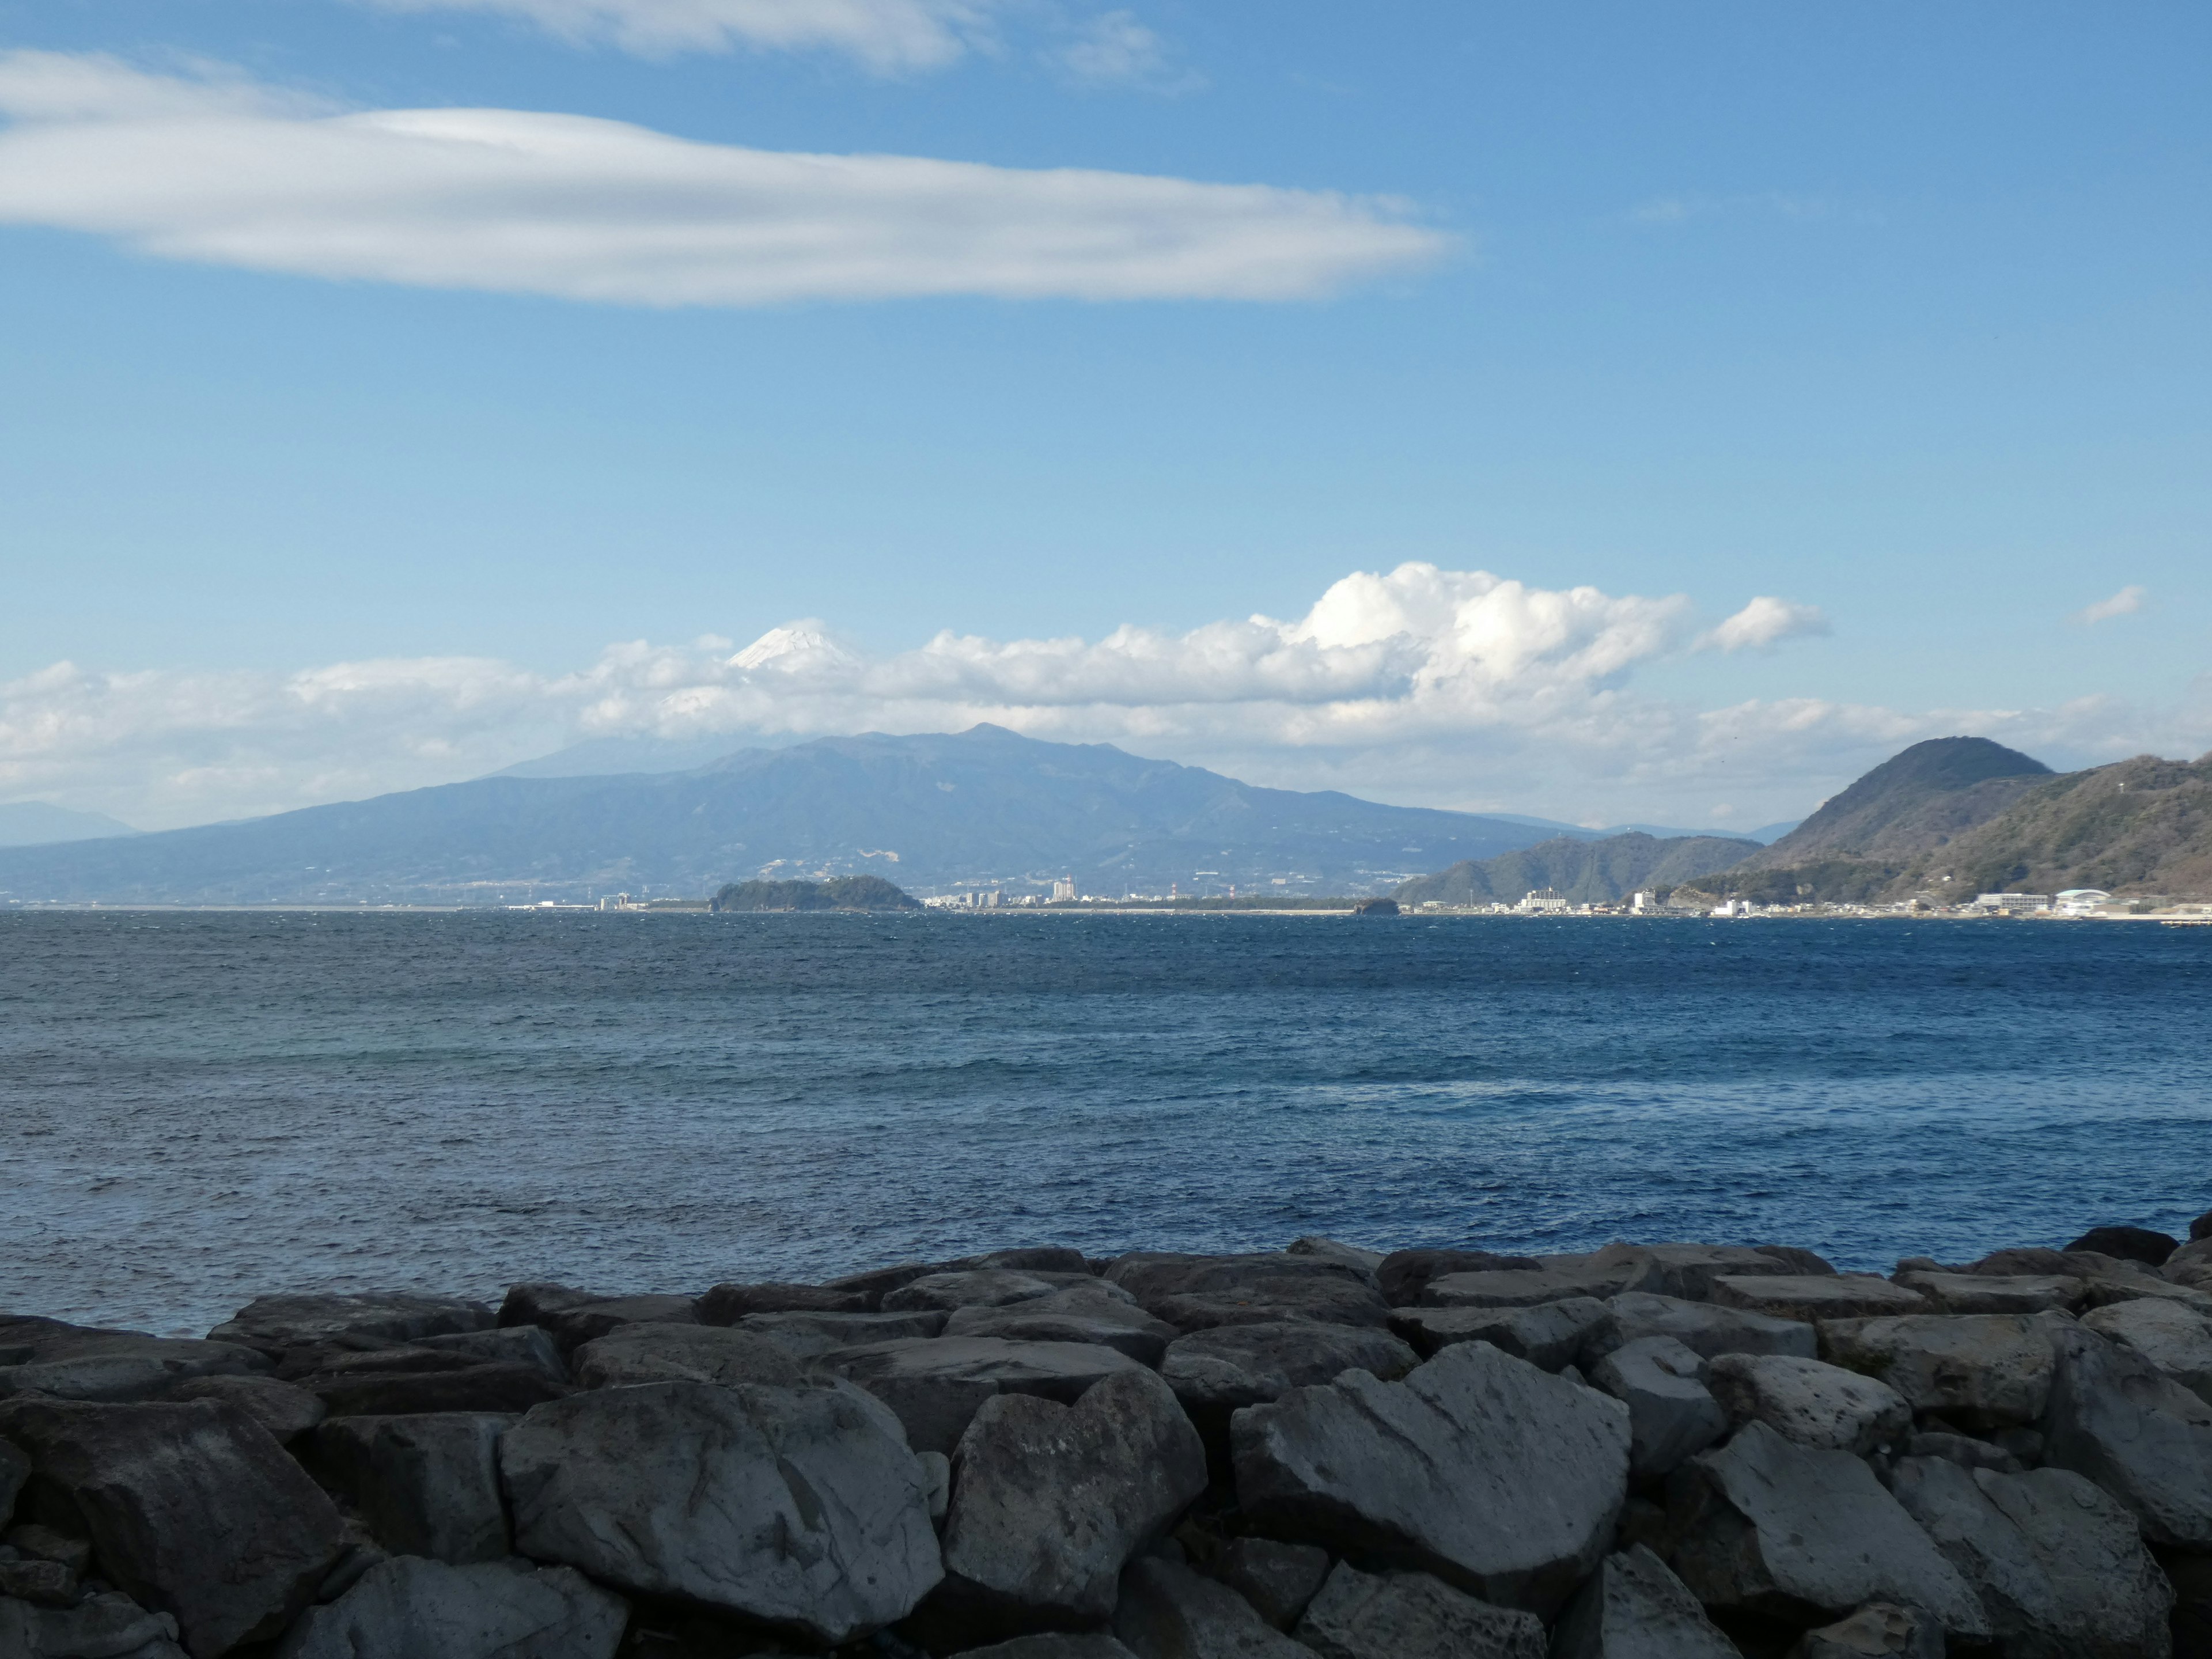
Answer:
(1895, 315)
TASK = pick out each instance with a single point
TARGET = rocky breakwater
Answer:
(1669, 1451)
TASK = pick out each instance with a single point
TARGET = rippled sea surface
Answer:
(197, 1107)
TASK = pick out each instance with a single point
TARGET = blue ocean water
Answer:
(196, 1107)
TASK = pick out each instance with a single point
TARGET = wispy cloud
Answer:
(221, 171)
(1418, 684)
(1115, 49)
(1763, 624)
(2125, 603)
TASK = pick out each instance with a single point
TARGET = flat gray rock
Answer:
(1413, 1616)
(797, 1507)
(936, 1385)
(2175, 1338)
(1369, 1262)
(987, 1287)
(2059, 1565)
(104, 1625)
(1234, 1365)
(1990, 1293)
(1810, 1402)
(285, 1411)
(1403, 1274)
(805, 1336)
(192, 1510)
(684, 1353)
(1634, 1608)
(571, 1328)
(1672, 1415)
(71, 1362)
(1090, 1311)
(276, 1322)
(1775, 1529)
(1560, 1278)
(1700, 1327)
(1688, 1271)
(512, 1345)
(426, 1485)
(409, 1608)
(1197, 1292)
(1549, 1335)
(1979, 1370)
(1878, 1631)
(1165, 1611)
(2117, 1418)
(1050, 1501)
(1812, 1297)
(1498, 1477)
(1278, 1579)
(726, 1304)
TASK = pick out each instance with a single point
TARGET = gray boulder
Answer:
(571, 1328)
(42, 1583)
(1688, 1271)
(1025, 1258)
(1089, 1310)
(796, 1507)
(1233, 1365)
(1877, 1631)
(987, 1287)
(1979, 1370)
(1559, 1277)
(69, 1362)
(511, 1345)
(1052, 1644)
(1403, 1274)
(935, 1386)
(1549, 1335)
(2117, 1418)
(490, 1386)
(726, 1304)
(1479, 1468)
(1809, 1402)
(1634, 1608)
(426, 1485)
(285, 1411)
(805, 1335)
(273, 1323)
(1672, 1415)
(1963, 1450)
(14, 1470)
(1700, 1327)
(1278, 1579)
(1812, 1297)
(1368, 1262)
(2175, 1338)
(1988, 1293)
(684, 1353)
(1050, 1501)
(408, 1608)
(2059, 1565)
(1770, 1529)
(102, 1625)
(1165, 1611)
(876, 1283)
(1196, 1292)
(1411, 1615)
(192, 1510)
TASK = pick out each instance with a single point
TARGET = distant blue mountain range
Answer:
(931, 811)
(35, 823)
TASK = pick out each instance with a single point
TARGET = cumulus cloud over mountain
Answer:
(1418, 685)
(222, 170)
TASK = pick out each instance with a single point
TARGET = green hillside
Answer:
(1584, 871)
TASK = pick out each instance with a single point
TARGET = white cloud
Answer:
(888, 36)
(1115, 49)
(222, 172)
(2125, 603)
(1418, 684)
(1763, 624)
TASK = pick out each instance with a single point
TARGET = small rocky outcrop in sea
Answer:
(1668, 1451)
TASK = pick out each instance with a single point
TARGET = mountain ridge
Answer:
(1582, 872)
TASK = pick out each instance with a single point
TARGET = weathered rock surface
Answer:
(1196, 1292)
(1980, 1370)
(1634, 1608)
(2117, 1418)
(44, 1356)
(273, 1323)
(1234, 1365)
(805, 1336)
(1089, 1310)
(1688, 1271)
(1549, 1335)
(426, 1485)
(1052, 1644)
(726, 1304)
(1403, 1274)
(1878, 1631)
(1988, 1293)
(1809, 1402)
(874, 1285)
(571, 1328)
(1963, 1450)
(1413, 1616)
(1050, 1501)
(1672, 1415)
(2059, 1565)
(684, 1353)
(510, 1344)
(490, 1387)
(1165, 1611)
(42, 1583)
(1025, 1258)
(2128, 1243)
(192, 1510)
(987, 1287)
(1700, 1327)
(14, 1470)
(1766, 1527)
(935, 1386)
(1368, 1262)
(1479, 1467)
(1561, 1277)
(2175, 1338)
(411, 1608)
(797, 1507)
(105, 1625)
(285, 1411)
(1278, 1579)
(1811, 1296)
